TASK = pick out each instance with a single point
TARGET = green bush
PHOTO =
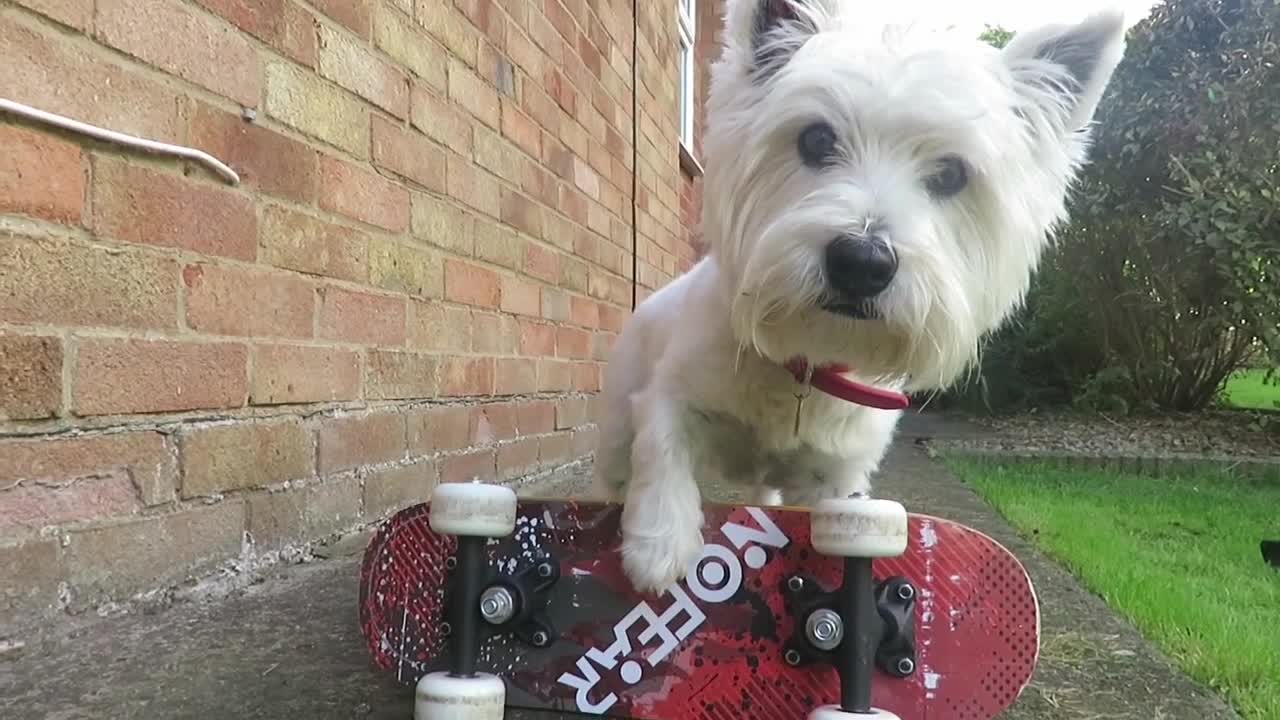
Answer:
(1167, 279)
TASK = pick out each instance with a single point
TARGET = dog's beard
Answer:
(920, 334)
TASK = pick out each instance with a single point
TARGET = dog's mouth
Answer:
(859, 310)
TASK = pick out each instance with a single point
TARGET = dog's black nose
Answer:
(860, 266)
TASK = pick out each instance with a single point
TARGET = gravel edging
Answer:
(1154, 465)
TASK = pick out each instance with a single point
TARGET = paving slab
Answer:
(288, 646)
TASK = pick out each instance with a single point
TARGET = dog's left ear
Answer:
(1065, 69)
(772, 31)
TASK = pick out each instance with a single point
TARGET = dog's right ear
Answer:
(776, 29)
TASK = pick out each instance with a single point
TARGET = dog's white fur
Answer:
(696, 387)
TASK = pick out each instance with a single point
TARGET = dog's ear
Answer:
(1065, 68)
(778, 28)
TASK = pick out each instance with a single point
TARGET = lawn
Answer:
(1178, 556)
(1250, 389)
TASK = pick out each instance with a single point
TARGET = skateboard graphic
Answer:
(853, 610)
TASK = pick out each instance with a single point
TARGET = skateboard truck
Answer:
(480, 601)
(860, 625)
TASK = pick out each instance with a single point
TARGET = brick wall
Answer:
(445, 211)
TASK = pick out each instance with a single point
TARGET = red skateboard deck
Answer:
(711, 647)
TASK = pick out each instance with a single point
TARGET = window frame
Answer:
(687, 30)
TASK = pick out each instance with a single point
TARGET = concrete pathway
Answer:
(288, 646)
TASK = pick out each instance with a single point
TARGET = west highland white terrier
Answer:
(875, 203)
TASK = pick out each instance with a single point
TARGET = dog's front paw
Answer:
(655, 562)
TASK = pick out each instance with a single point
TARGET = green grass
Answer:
(1178, 556)
(1249, 389)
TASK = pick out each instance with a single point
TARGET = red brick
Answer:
(561, 90)
(611, 318)
(440, 428)
(468, 467)
(584, 311)
(499, 245)
(295, 241)
(34, 505)
(282, 24)
(363, 195)
(45, 71)
(354, 66)
(359, 317)
(471, 284)
(541, 263)
(144, 459)
(138, 205)
(192, 46)
(31, 384)
(586, 377)
(284, 374)
(536, 417)
(432, 326)
(263, 158)
(74, 13)
(572, 343)
(518, 458)
(143, 376)
(440, 120)
(40, 175)
(554, 375)
(466, 376)
(351, 441)
(584, 441)
(555, 448)
(520, 297)
(474, 95)
(473, 187)
(484, 16)
(408, 154)
(393, 375)
(521, 129)
(389, 490)
(570, 412)
(354, 14)
(304, 512)
(537, 339)
(493, 334)
(515, 376)
(54, 281)
(223, 300)
(493, 422)
(235, 456)
(521, 213)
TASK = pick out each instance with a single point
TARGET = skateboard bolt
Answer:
(450, 563)
(545, 570)
(497, 606)
(906, 666)
(792, 657)
(540, 638)
(906, 591)
(446, 629)
(825, 629)
(795, 584)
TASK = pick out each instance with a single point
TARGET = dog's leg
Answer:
(768, 496)
(662, 516)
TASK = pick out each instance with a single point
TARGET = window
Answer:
(688, 66)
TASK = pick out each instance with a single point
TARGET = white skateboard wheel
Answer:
(473, 510)
(859, 528)
(441, 696)
(833, 712)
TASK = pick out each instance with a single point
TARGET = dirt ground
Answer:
(287, 646)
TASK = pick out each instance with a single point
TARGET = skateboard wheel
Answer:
(833, 712)
(441, 696)
(473, 510)
(859, 528)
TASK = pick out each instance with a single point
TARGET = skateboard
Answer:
(853, 610)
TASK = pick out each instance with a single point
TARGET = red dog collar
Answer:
(831, 380)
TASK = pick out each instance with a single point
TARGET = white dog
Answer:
(875, 203)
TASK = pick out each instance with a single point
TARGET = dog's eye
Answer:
(817, 144)
(950, 177)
